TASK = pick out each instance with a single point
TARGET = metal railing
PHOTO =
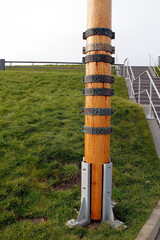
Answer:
(124, 68)
(130, 77)
(154, 66)
(43, 65)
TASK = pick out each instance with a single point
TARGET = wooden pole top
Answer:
(99, 13)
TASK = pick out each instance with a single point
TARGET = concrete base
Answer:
(151, 227)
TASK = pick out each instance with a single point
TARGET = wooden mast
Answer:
(97, 147)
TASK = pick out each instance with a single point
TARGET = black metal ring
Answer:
(97, 92)
(98, 58)
(97, 131)
(99, 31)
(97, 111)
(99, 47)
(98, 79)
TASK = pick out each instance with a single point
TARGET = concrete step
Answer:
(137, 70)
(146, 97)
(157, 109)
(146, 86)
(145, 83)
(147, 100)
(154, 95)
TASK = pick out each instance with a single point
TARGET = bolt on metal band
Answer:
(97, 111)
(99, 47)
(98, 92)
(97, 131)
(98, 58)
(98, 79)
(99, 31)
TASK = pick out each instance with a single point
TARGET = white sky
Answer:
(51, 30)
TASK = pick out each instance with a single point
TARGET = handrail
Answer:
(52, 65)
(150, 78)
(124, 70)
(133, 77)
(130, 78)
(157, 117)
(132, 73)
(43, 62)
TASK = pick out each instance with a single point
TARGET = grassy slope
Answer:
(158, 71)
(41, 145)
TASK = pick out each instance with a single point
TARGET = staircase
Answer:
(145, 85)
(151, 108)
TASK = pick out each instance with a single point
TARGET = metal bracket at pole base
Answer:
(84, 217)
(107, 206)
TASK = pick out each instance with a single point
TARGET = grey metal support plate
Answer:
(107, 213)
(85, 191)
(84, 217)
(107, 204)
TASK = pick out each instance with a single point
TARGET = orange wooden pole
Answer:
(97, 147)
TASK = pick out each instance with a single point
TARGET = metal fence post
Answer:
(2, 64)
(139, 89)
(150, 105)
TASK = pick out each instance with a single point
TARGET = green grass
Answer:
(158, 71)
(49, 68)
(41, 146)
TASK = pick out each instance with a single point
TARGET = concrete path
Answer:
(158, 238)
(155, 130)
(151, 227)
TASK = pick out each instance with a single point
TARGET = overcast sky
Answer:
(51, 30)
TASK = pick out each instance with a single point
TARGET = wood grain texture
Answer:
(97, 147)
